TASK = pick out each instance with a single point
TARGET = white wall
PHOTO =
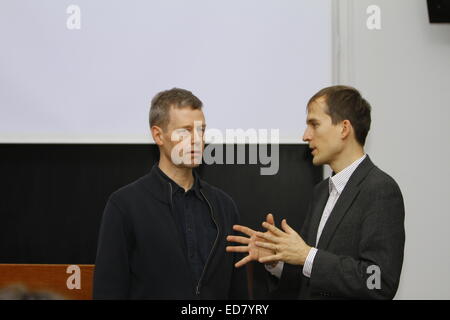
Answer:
(404, 72)
(244, 59)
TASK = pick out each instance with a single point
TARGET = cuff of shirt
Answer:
(307, 268)
(276, 270)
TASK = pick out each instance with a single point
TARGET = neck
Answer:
(181, 176)
(346, 158)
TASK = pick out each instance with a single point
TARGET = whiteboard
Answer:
(88, 76)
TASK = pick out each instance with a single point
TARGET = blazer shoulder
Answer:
(379, 178)
(379, 184)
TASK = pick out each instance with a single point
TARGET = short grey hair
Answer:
(173, 98)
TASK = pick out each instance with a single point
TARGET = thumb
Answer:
(286, 227)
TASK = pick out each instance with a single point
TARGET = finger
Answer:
(243, 262)
(238, 239)
(268, 236)
(259, 239)
(244, 229)
(266, 245)
(272, 258)
(237, 248)
(286, 227)
(270, 219)
(273, 229)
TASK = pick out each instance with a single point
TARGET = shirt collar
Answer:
(340, 179)
(175, 187)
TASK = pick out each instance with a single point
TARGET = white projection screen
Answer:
(84, 71)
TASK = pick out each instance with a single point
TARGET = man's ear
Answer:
(346, 129)
(157, 134)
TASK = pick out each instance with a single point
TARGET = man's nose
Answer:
(306, 136)
(196, 137)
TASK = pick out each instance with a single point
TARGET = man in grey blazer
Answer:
(352, 241)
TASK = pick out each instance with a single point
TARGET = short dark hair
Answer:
(346, 103)
(164, 100)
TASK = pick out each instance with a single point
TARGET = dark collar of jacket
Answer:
(175, 187)
(160, 189)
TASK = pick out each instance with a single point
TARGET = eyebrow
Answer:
(312, 120)
(190, 126)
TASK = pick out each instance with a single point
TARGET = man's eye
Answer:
(183, 132)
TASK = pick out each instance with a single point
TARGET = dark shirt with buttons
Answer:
(193, 218)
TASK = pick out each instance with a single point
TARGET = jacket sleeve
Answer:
(239, 284)
(111, 275)
(381, 246)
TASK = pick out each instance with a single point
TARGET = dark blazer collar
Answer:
(349, 193)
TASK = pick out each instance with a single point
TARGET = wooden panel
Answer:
(49, 278)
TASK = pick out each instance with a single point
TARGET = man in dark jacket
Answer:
(163, 236)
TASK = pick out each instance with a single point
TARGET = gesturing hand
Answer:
(254, 252)
(288, 245)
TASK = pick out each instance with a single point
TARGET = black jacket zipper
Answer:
(197, 289)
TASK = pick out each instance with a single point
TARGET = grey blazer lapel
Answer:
(344, 202)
